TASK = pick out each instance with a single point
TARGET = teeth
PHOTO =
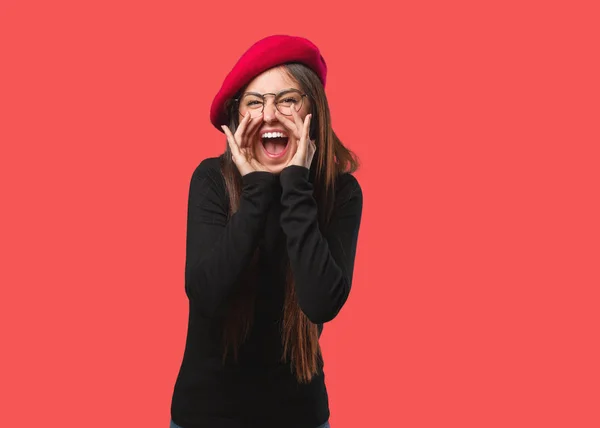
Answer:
(273, 135)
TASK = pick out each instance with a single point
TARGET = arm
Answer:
(322, 264)
(217, 250)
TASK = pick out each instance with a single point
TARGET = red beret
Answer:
(262, 55)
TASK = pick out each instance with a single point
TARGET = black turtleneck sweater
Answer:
(278, 214)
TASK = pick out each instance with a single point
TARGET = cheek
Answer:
(256, 147)
(303, 112)
(306, 109)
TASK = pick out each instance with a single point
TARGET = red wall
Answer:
(475, 296)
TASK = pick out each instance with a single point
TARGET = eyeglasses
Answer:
(285, 101)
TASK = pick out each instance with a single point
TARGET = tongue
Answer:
(274, 147)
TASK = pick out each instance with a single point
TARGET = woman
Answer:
(271, 239)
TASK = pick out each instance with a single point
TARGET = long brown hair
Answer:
(299, 335)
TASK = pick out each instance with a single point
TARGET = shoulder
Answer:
(347, 187)
(208, 172)
(348, 193)
(208, 166)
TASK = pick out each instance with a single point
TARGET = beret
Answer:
(266, 53)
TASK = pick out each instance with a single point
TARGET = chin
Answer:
(274, 164)
(276, 169)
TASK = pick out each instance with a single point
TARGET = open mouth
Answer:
(274, 144)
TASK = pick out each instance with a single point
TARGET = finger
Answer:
(235, 150)
(246, 154)
(256, 165)
(288, 123)
(252, 130)
(297, 119)
(242, 127)
(304, 140)
(302, 144)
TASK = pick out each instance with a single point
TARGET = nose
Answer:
(269, 112)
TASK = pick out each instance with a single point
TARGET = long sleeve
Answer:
(217, 249)
(322, 264)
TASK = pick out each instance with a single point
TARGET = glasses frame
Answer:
(275, 96)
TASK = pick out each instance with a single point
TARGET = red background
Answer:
(475, 301)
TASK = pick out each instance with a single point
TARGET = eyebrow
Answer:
(280, 92)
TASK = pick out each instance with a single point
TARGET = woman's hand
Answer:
(241, 147)
(299, 132)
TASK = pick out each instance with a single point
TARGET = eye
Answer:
(288, 101)
(252, 101)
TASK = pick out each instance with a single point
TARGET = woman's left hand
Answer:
(299, 133)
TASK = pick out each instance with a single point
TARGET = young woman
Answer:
(271, 238)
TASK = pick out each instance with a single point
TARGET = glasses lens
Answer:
(288, 101)
(251, 103)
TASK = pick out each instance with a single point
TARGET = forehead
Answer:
(272, 80)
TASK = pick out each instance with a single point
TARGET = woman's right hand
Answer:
(240, 145)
